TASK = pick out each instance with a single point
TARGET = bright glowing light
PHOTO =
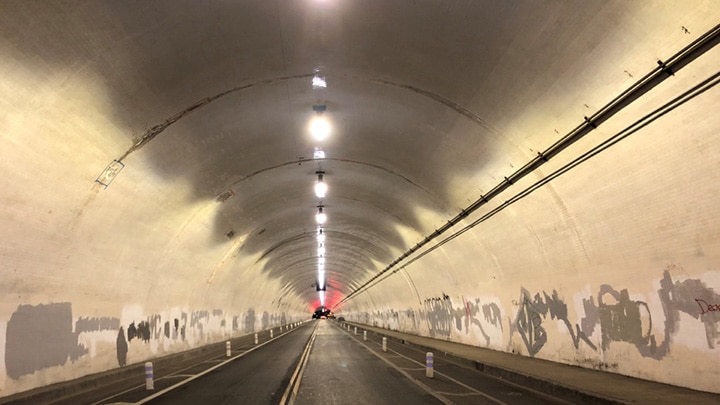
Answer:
(320, 187)
(322, 297)
(321, 261)
(319, 154)
(320, 217)
(318, 82)
(321, 237)
(319, 127)
(321, 250)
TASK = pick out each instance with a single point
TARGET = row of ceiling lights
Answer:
(319, 128)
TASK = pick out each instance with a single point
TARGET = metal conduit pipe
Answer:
(658, 75)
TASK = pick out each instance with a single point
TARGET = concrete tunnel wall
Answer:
(620, 278)
(94, 281)
(611, 266)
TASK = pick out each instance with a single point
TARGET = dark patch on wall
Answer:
(236, 323)
(250, 321)
(222, 323)
(622, 321)
(197, 316)
(438, 312)
(121, 347)
(183, 328)
(283, 319)
(491, 314)
(533, 311)
(155, 327)
(692, 297)
(39, 337)
(167, 329)
(96, 324)
(141, 331)
(472, 310)
(265, 320)
(217, 312)
(528, 322)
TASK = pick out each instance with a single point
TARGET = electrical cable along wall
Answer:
(609, 279)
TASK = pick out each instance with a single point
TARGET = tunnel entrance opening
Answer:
(322, 312)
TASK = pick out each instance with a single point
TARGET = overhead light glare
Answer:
(318, 82)
(320, 217)
(320, 186)
(319, 127)
(319, 154)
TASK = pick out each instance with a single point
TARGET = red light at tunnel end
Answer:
(331, 298)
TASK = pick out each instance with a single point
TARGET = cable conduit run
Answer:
(651, 80)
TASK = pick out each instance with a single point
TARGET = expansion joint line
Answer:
(589, 124)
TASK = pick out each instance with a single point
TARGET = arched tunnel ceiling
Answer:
(431, 103)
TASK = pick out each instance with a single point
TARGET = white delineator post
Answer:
(429, 365)
(365, 335)
(227, 348)
(149, 383)
(271, 333)
(256, 338)
(384, 344)
(355, 329)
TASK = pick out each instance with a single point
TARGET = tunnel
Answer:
(534, 178)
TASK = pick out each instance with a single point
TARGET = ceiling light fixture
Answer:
(320, 217)
(320, 186)
(318, 82)
(319, 125)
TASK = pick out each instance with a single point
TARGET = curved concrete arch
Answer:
(463, 200)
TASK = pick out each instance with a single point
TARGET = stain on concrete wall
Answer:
(622, 320)
(439, 315)
(250, 321)
(265, 320)
(38, 337)
(96, 324)
(121, 347)
(532, 313)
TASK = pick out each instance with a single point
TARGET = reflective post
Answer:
(256, 338)
(227, 348)
(384, 344)
(429, 365)
(365, 335)
(149, 383)
(355, 330)
(271, 333)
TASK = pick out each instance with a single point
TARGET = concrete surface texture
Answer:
(539, 178)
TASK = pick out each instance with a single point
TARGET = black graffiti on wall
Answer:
(625, 320)
(472, 310)
(439, 315)
(533, 311)
(620, 318)
(250, 321)
(96, 324)
(121, 347)
(681, 296)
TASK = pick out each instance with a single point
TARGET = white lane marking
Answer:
(294, 384)
(191, 376)
(469, 388)
(417, 382)
(522, 387)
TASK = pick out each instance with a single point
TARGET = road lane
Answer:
(339, 371)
